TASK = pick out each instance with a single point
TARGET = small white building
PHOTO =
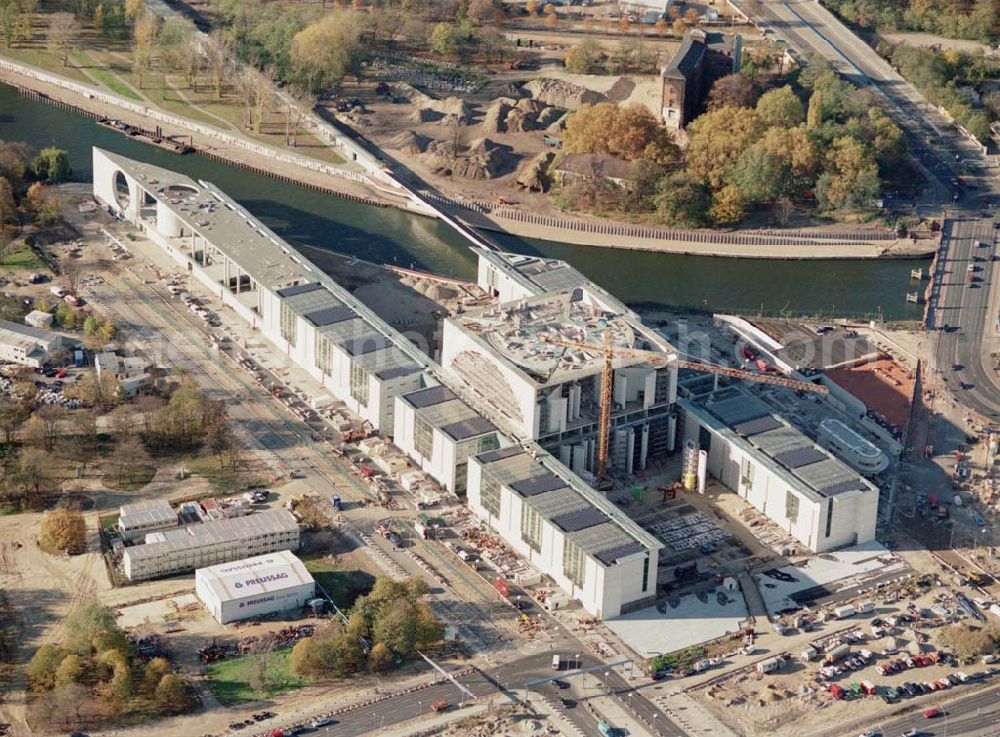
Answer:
(820, 501)
(439, 432)
(27, 345)
(135, 520)
(854, 450)
(252, 587)
(131, 372)
(39, 319)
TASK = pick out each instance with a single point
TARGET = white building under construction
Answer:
(318, 324)
(816, 498)
(502, 355)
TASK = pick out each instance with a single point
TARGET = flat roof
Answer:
(250, 577)
(517, 333)
(150, 512)
(214, 532)
(555, 493)
(430, 396)
(818, 472)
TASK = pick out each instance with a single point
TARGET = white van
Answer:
(556, 662)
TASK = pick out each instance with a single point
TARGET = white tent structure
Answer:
(274, 582)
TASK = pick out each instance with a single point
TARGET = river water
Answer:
(313, 219)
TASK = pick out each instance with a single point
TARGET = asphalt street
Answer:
(961, 311)
(977, 715)
(812, 30)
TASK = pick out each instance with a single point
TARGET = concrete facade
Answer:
(29, 346)
(568, 532)
(815, 498)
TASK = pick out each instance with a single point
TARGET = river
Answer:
(311, 219)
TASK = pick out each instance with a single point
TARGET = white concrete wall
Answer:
(854, 514)
(498, 281)
(455, 341)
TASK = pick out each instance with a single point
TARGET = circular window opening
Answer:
(122, 194)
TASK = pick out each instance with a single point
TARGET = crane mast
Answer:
(607, 378)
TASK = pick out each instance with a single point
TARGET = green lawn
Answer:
(44, 59)
(230, 679)
(22, 256)
(110, 80)
(342, 586)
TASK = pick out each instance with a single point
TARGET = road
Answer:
(810, 29)
(962, 311)
(977, 715)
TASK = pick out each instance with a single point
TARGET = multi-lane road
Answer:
(812, 30)
(963, 310)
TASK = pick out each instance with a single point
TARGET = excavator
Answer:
(610, 353)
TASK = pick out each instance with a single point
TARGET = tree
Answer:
(128, 460)
(43, 427)
(325, 51)
(644, 177)
(143, 38)
(64, 530)
(733, 90)
(661, 27)
(90, 624)
(12, 415)
(728, 206)
(443, 42)
(799, 156)
(606, 128)
(717, 140)
(299, 103)
(219, 50)
(551, 20)
(481, 12)
(43, 667)
(31, 475)
(380, 658)
(52, 164)
(780, 107)
(8, 207)
(10, 17)
(72, 669)
(692, 16)
(14, 158)
(850, 178)
(152, 674)
(757, 177)
(682, 201)
(42, 202)
(174, 695)
(63, 30)
(583, 58)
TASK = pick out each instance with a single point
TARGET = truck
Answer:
(606, 729)
(836, 653)
(868, 687)
(837, 692)
(844, 611)
(866, 607)
(338, 505)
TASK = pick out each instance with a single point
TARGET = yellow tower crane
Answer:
(610, 353)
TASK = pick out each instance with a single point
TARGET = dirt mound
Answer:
(411, 142)
(426, 115)
(550, 115)
(483, 159)
(533, 174)
(495, 120)
(621, 90)
(524, 116)
(562, 94)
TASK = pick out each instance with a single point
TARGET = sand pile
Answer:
(483, 159)
(495, 120)
(524, 116)
(562, 94)
(533, 174)
(411, 142)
